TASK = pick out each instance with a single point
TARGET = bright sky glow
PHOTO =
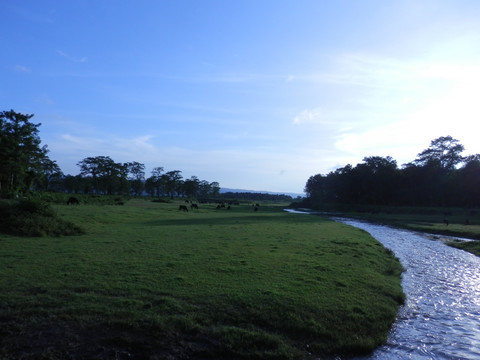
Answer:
(256, 95)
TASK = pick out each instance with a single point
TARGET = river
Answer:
(441, 315)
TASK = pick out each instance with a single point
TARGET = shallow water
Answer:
(441, 315)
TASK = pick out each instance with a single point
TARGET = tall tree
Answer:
(379, 181)
(204, 189)
(108, 177)
(445, 150)
(136, 179)
(51, 178)
(191, 187)
(215, 189)
(21, 155)
(154, 184)
(468, 184)
(173, 182)
(315, 188)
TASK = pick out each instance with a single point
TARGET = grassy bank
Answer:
(456, 222)
(147, 279)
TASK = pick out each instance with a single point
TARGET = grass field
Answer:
(147, 281)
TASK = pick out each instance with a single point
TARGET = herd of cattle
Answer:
(220, 205)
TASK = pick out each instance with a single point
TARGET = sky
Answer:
(256, 95)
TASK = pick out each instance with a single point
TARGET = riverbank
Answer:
(451, 222)
(440, 318)
(149, 280)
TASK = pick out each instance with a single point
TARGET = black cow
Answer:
(183, 207)
(194, 206)
(73, 201)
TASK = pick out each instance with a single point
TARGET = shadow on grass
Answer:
(231, 220)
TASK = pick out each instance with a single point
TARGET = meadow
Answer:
(148, 281)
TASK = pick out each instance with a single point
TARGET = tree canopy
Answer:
(25, 166)
(22, 159)
(444, 150)
(439, 176)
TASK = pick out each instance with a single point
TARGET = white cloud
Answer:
(454, 112)
(21, 68)
(402, 106)
(69, 149)
(308, 116)
(72, 58)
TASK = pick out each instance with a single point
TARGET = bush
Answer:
(162, 200)
(33, 218)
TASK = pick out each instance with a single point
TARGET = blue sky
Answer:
(257, 95)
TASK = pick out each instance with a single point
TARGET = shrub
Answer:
(33, 218)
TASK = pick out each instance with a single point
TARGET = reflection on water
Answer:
(441, 315)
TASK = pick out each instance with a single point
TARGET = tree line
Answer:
(439, 176)
(256, 196)
(25, 166)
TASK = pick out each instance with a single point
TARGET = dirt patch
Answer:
(58, 341)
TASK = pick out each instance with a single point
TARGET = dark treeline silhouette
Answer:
(254, 196)
(102, 175)
(25, 166)
(439, 176)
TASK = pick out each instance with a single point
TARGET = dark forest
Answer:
(439, 176)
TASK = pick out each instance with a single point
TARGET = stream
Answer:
(441, 315)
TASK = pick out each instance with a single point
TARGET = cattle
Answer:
(183, 208)
(194, 206)
(255, 208)
(73, 201)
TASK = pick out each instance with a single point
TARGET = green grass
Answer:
(470, 246)
(29, 217)
(463, 223)
(148, 279)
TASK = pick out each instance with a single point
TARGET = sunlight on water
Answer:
(441, 315)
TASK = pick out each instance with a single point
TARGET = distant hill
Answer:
(293, 195)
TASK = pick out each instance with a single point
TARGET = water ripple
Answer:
(441, 315)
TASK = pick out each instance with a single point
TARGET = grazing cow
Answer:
(194, 206)
(73, 201)
(255, 208)
(183, 207)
